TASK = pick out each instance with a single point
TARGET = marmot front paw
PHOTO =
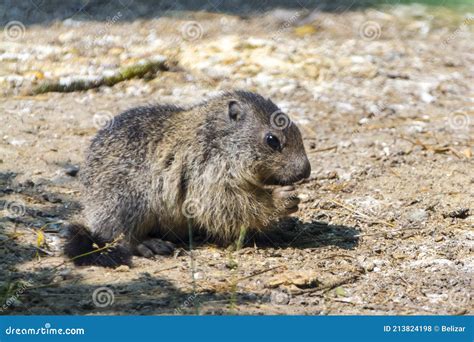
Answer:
(153, 246)
(286, 200)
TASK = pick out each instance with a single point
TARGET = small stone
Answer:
(17, 142)
(198, 275)
(29, 183)
(86, 305)
(369, 266)
(427, 97)
(72, 170)
(65, 273)
(287, 89)
(52, 198)
(461, 213)
(418, 215)
(122, 268)
(57, 279)
(398, 255)
(279, 297)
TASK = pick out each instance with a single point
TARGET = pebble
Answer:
(369, 266)
(65, 273)
(279, 297)
(461, 213)
(427, 97)
(72, 170)
(418, 215)
(17, 142)
(198, 275)
(122, 268)
(51, 198)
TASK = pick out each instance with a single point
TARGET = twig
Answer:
(373, 219)
(383, 233)
(166, 269)
(258, 273)
(107, 245)
(344, 300)
(328, 287)
(324, 149)
(433, 148)
(138, 70)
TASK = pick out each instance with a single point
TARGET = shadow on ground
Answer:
(294, 233)
(54, 289)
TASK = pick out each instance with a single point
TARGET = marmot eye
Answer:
(273, 141)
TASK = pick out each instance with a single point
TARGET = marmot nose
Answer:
(306, 170)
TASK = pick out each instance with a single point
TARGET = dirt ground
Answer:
(383, 97)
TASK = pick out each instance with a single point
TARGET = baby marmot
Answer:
(155, 169)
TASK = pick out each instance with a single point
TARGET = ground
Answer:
(383, 97)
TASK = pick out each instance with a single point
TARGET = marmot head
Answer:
(259, 137)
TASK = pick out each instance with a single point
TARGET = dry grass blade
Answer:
(434, 148)
(358, 213)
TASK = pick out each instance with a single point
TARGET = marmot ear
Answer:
(236, 112)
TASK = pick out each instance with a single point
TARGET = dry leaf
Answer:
(300, 279)
(467, 153)
(305, 30)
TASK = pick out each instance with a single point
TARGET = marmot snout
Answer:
(155, 169)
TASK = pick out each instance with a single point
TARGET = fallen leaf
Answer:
(304, 30)
(301, 280)
(467, 153)
(340, 292)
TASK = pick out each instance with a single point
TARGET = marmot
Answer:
(154, 168)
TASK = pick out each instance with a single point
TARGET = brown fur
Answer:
(153, 165)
